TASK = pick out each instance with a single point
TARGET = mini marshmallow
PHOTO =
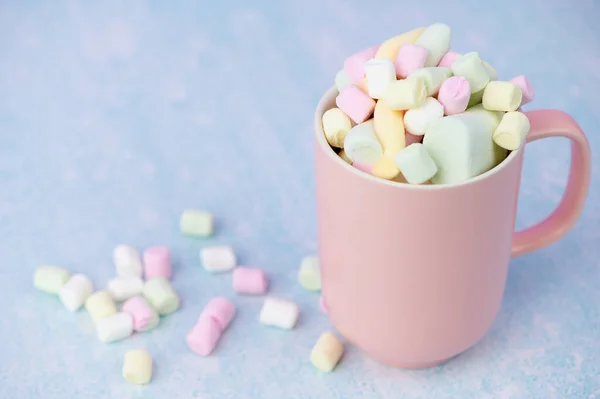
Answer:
(389, 128)
(221, 310)
(137, 367)
(343, 155)
(196, 223)
(471, 67)
(385, 168)
(361, 144)
(448, 59)
(327, 352)
(380, 73)
(433, 77)
(512, 130)
(354, 66)
(410, 58)
(144, 316)
(526, 88)
(218, 258)
(491, 71)
(342, 80)
(436, 38)
(362, 85)
(502, 96)
(123, 288)
(128, 261)
(160, 294)
(279, 313)
(115, 327)
(454, 95)
(322, 305)
(204, 336)
(247, 280)
(50, 279)
(157, 262)
(417, 120)
(416, 164)
(336, 125)
(100, 305)
(309, 274)
(405, 94)
(389, 49)
(356, 104)
(74, 293)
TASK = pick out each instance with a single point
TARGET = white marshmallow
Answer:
(380, 73)
(279, 313)
(50, 279)
(342, 80)
(123, 288)
(512, 130)
(472, 68)
(74, 293)
(336, 125)
(417, 120)
(405, 94)
(416, 164)
(218, 258)
(361, 144)
(436, 39)
(502, 96)
(115, 327)
(433, 77)
(128, 261)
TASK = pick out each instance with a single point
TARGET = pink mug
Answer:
(414, 275)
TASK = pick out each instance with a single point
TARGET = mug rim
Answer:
(330, 95)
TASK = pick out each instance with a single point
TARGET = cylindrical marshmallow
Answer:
(157, 262)
(502, 96)
(405, 94)
(454, 95)
(380, 73)
(144, 316)
(322, 305)
(123, 288)
(279, 313)
(128, 261)
(512, 130)
(249, 280)
(436, 39)
(160, 294)
(342, 80)
(354, 65)
(196, 223)
(343, 155)
(115, 327)
(218, 258)
(410, 58)
(433, 77)
(416, 164)
(50, 279)
(385, 168)
(327, 352)
(336, 125)
(526, 88)
(472, 68)
(389, 128)
(417, 120)
(356, 104)
(137, 366)
(221, 310)
(309, 274)
(448, 59)
(205, 335)
(74, 293)
(100, 305)
(361, 144)
(389, 49)
(490, 70)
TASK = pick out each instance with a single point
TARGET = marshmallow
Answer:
(123, 288)
(279, 313)
(157, 262)
(362, 85)
(448, 59)
(502, 96)
(137, 367)
(356, 104)
(144, 316)
(336, 125)
(380, 73)
(327, 352)
(416, 164)
(389, 49)
(363, 167)
(343, 155)
(417, 120)
(115, 327)
(196, 223)
(410, 58)
(218, 259)
(471, 67)
(309, 274)
(160, 294)
(220, 310)
(526, 88)
(342, 80)
(491, 71)
(354, 66)
(247, 280)
(512, 130)
(433, 77)
(100, 305)
(454, 95)
(385, 168)
(405, 94)
(50, 279)
(74, 293)
(412, 138)
(204, 336)
(436, 38)
(128, 261)
(322, 305)
(361, 144)
(389, 128)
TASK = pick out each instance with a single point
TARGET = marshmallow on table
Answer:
(433, 77)
(490, 70)
(115, 327)
(436, 39)
(389, 49)
(389, 128)
(405, 94)
(218, 258)
(472, 68)
(526, 88)
(361, 144)
(448, 59)
(279, 313)
(417, 120)
(157, 262)
(342, 80)
(137, 367)
(454, 95)
(309, 274)
(356, 104)
(327, 352)
(196, 223)
(512, 130)
(380, 72)
(249, 280)
(343, 155)
(385, 168)
(221, 310)
(74, 293)
(336, 125)
(211, 324)
(100, 305)
(410, 58)
(123, 288)
(144, 316)
(416, 164)
(128, 261)
(354, 66)
(50, 279)
(160, 294)
(502, 96)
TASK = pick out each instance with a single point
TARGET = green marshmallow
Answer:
(196, 223)
(160, 294)
(50, 279)
(309, 274)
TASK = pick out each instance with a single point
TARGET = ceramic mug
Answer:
(414, 275)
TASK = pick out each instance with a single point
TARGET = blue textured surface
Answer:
(115, 116)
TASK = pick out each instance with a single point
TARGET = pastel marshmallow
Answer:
(405, 94)
(221, 310)
(448, 59)
(204, 336)
(322, 305)
(436, 39)
(143, 314)
(100, 305)
(385, 168)
(115, 327)
(472, 68)
(490, 70)
(454, 95)
(157, 262)
(217, 259)
(388, 125)
(336, 125)
(309, 273)
(416, 164)
(410, 58)
(512, 130)
(327, 352)
(343, 155)
(361, 144)
(389, 49)
(363, 86)
(342, 80)
(74, 293)
(526, 88)
(380, 72)
(50, 279)
(123, 288)
(137, 367)
(417, 120)
(196, 223)
(356, 104)
(279, 313)
(354, 66)
(502, 96)
(412, 138)
(160, 294)
(127, 261)
(433, 77)
(249, 280)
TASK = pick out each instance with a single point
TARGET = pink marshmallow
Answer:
(356, 104)
(322, 305)
(448, 59)
(354, 66)
(247, 280)
(454, 95)
(526, 88)
(220, 310)
(157, 262)
(410, 58)
(412, 138)
(140, 311)
(204, 336)
(363, 167)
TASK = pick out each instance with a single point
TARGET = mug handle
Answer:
(554, 123)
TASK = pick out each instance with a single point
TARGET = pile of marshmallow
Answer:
(412, 111)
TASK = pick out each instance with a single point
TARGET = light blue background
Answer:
(116, 115)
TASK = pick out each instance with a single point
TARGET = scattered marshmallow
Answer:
(221, 310)
(390, 48)
(160, 294)
(502, 96)
(454, 95)
(342, 80)
(354, 66)
(218, 258)
(157, 262)
(247, 280)
(433, 77)
(512, 130)
(327, 352)
(472, 68)
(380, 73)
(417, 120)
(436, 39)
(388, 125)
(123, 288)
(410, 58)
(448, 59)
(127, 261)
(309, 274)
(385, 168)
(361, 144)
(115, 327)
(405, 94)
(100, 305)
(336, 125)
(416, 164)
(137, 367)
(204, 336)
(50, 279)
(356, 104)
(144, 316)
(279, 313)
(196, 223)
(74, 293)
(526, 88)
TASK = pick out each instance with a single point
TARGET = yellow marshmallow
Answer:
(502, 96)
(385, 168)
(512, 130)
(389, 48)
(336, 125)
(327, 352)
(100, 305)
(389, 128)
(137, 367)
